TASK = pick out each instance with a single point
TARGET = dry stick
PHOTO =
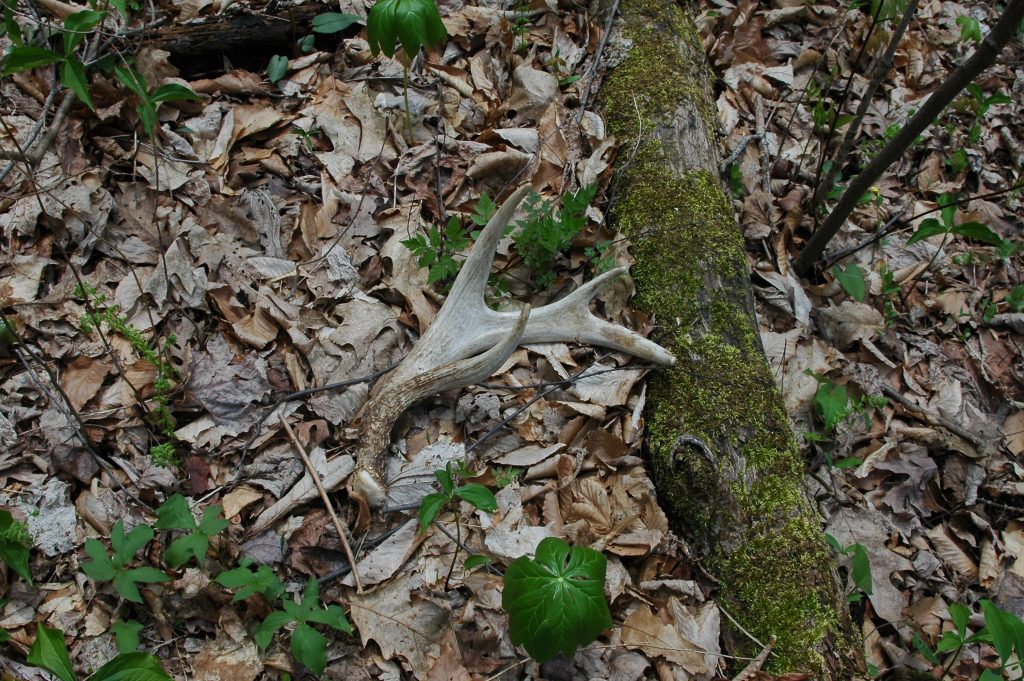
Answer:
(327, 501)
(897, 221)
(597, 61)
(881, 68)
(932, 417)
(982, 59)
(840, 104)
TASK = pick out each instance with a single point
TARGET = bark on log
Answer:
(227, 33)
(722, 454)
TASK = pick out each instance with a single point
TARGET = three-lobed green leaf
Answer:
(104, 567)
(175, 514)
(416, 23)
(555, 601)
(264, 580)
(308, 646)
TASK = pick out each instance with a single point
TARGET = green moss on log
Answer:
(721, 391)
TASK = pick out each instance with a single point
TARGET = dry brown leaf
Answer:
(401, 623)
(83, 378)
(656, 636)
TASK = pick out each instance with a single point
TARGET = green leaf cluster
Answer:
(115, 566)
(1003, 630)
(308, 645)
(545, 233)
(51, 653)
(149, 102)
(833, 403)
(15, 541)
(555, 601)
(416, 23)
(175, 514)
(436, 250)
(476, 494)
(248, 582)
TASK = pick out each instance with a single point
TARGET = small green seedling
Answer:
(416, 23)
(971, 230)
(473, 493)
(149, 102)
(264, 580)
(970, 29)
(277, 67)
(833, 403)
(860, 568)
(49, 652)
(308, 645)
(14, 544)
(852, 280)
(1015, 299)
(114, 568)
(175, 514)
(126, 635)
(555, 601)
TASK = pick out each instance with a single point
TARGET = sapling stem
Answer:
(408, 109)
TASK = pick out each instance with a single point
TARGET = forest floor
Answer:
(162, 303)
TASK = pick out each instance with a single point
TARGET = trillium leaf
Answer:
(555, 601)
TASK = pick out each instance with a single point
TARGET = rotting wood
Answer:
(722, 455)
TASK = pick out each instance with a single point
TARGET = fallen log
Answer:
(722, 455)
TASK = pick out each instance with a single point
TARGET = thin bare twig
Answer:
(338, 525)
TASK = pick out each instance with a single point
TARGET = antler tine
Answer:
(471, 284)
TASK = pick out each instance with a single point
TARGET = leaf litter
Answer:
(265, 237)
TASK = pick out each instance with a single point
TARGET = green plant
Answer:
(555, 601)
(860, 568)
(599, 253)
(174, 514)
(833, 404)
(979, 104)
(971, 230)
(473, 493)
(1015, 299)
(114, 567)
(99, 313)
(970, 29)
(852, 280)
(24, 57)
(277, 67)
(436, 250)
(544, 233)
(15, 541)
(1003, 630)
(50, 653)
(149, 102)
(325, 22)
(126, 634)
(308, 646)
(264, 580)
(416, 23)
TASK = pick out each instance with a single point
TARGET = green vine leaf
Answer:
(555, 601)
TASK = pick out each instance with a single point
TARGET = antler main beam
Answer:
(466, 343)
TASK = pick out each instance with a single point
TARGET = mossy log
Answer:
(722, 454)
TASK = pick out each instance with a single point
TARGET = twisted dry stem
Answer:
(466, 343)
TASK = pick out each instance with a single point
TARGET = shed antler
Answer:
(466, 343)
